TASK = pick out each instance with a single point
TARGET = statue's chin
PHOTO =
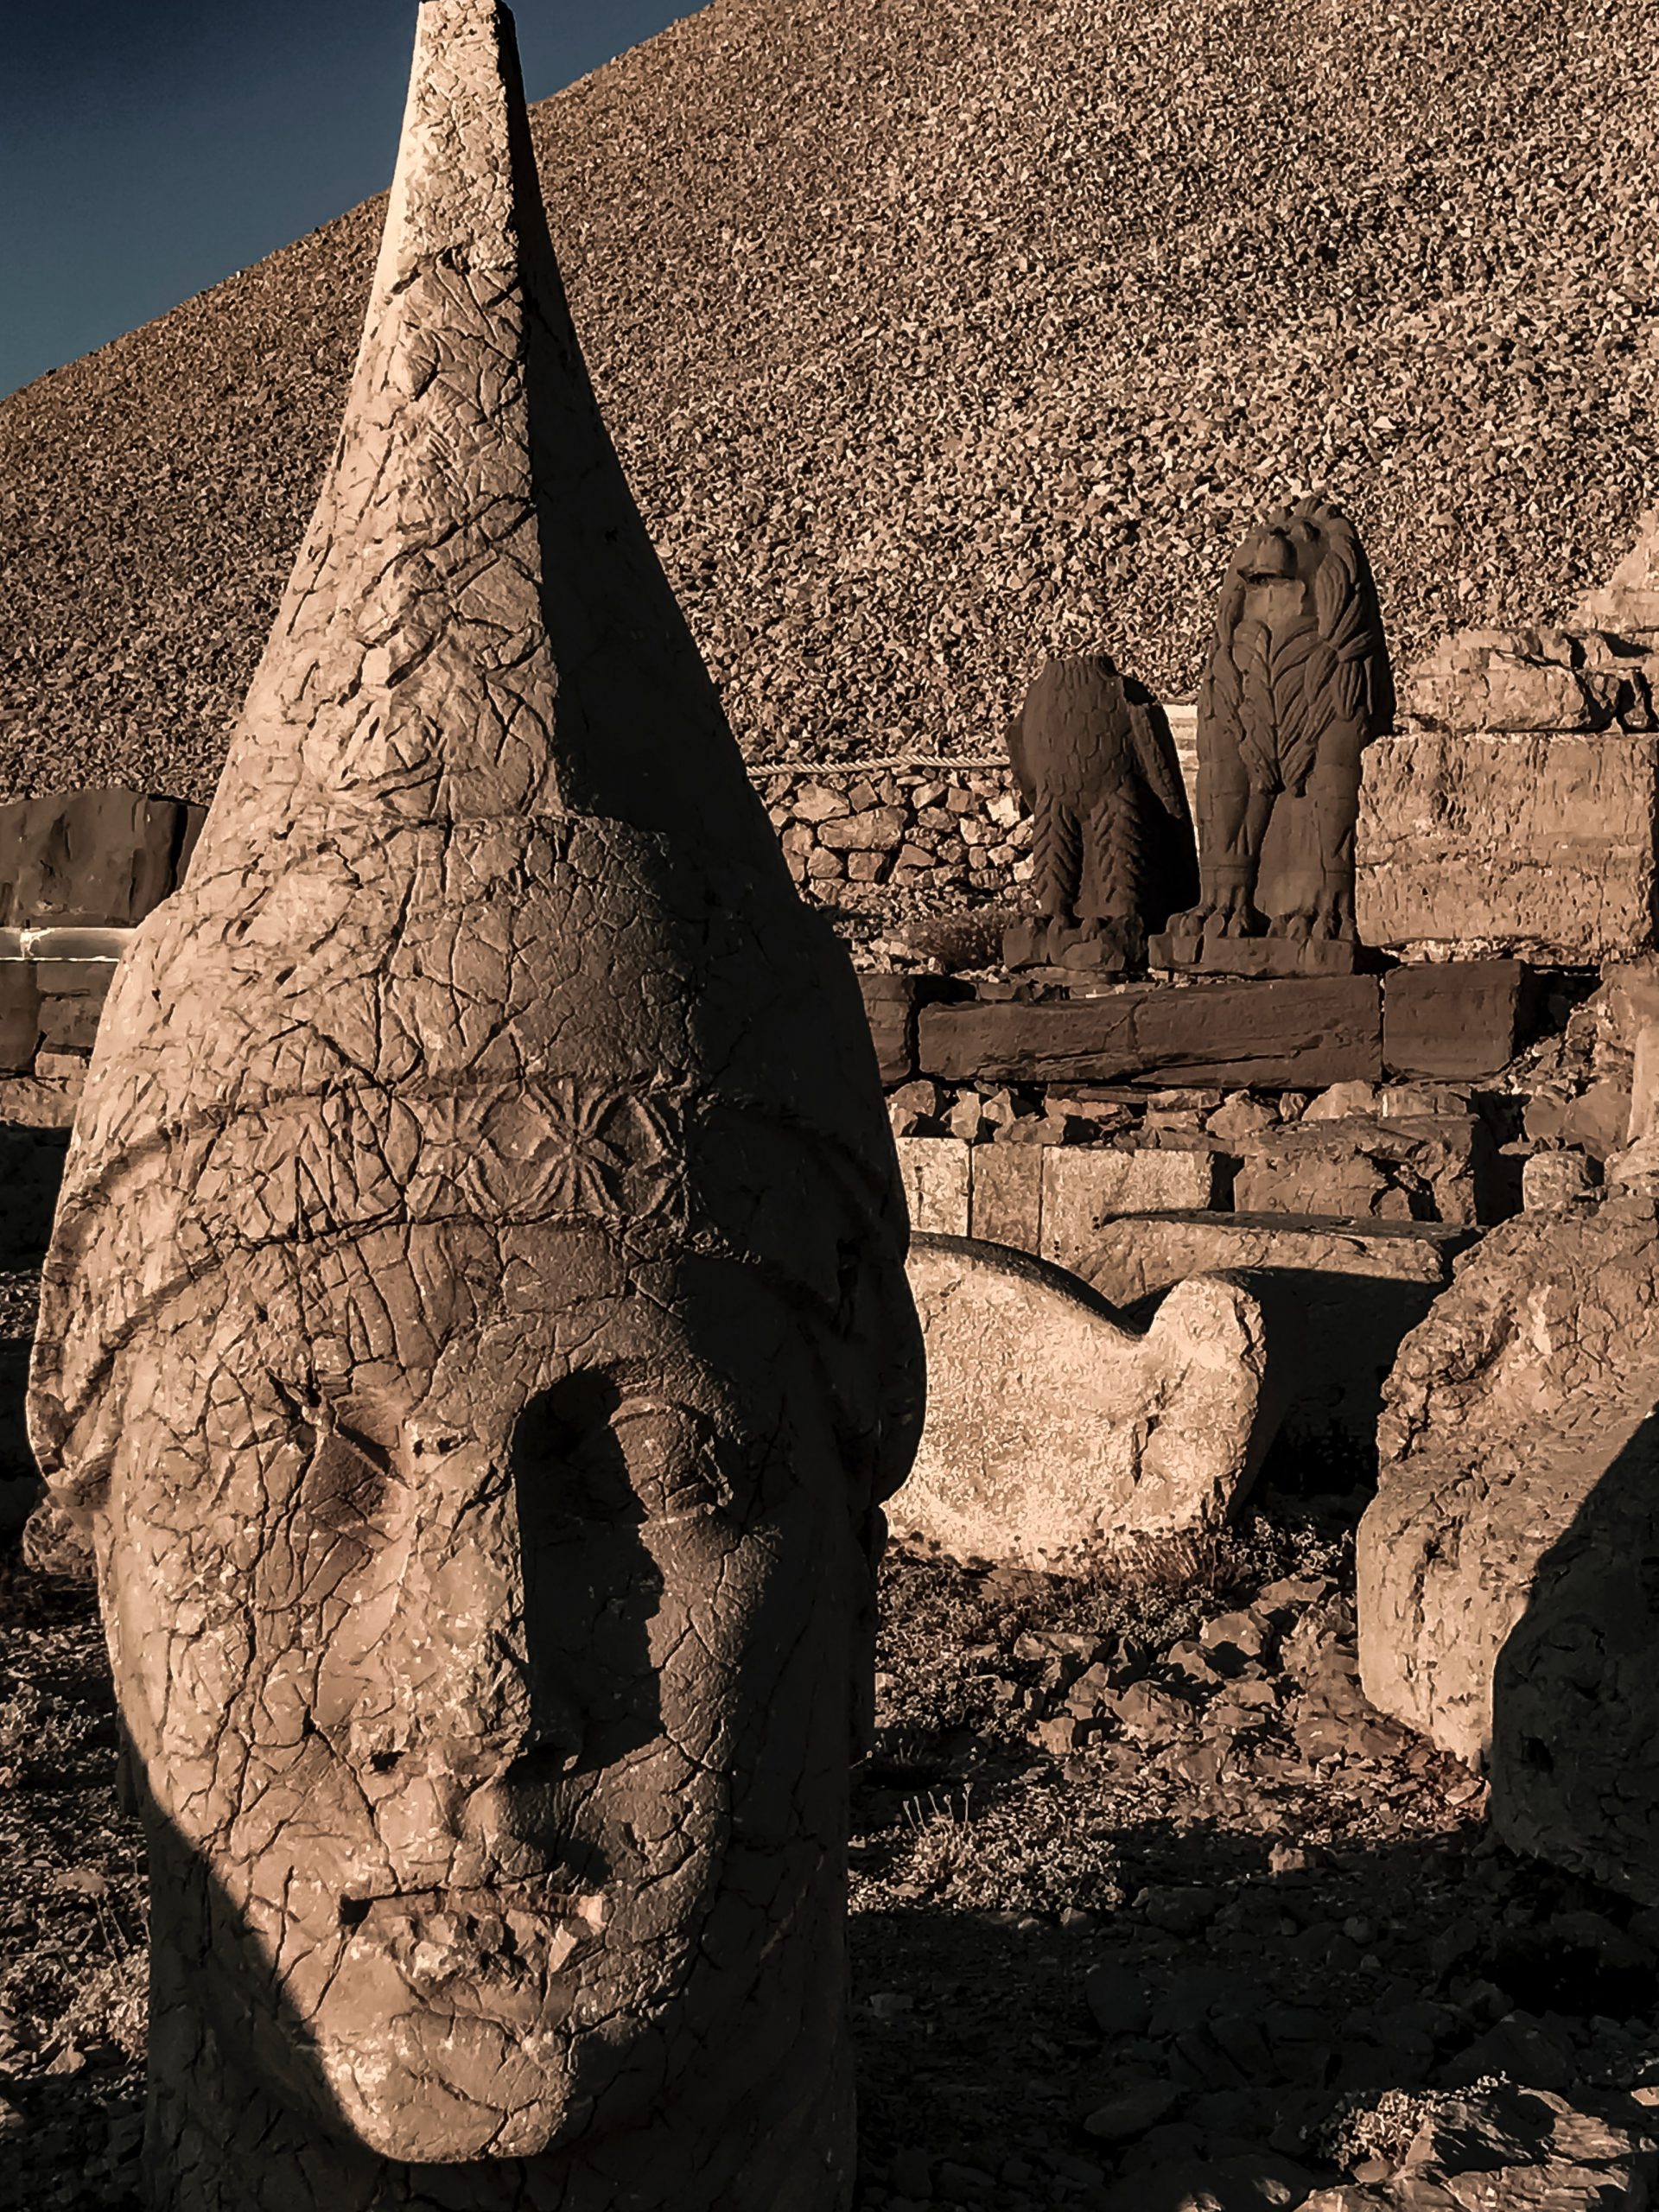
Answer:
(455, 2099)
(442, 2042)
(430, 2122)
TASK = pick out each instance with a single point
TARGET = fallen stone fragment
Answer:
(1053, 1432)
(1552, 1181)
(1396, 1167)
(1506, 1606)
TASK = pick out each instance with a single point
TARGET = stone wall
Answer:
(889, 845)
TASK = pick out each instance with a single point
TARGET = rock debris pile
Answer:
(936, 338)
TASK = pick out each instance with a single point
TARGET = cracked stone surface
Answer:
(1056, 1434)
(1506, 1569)
(476, 1333)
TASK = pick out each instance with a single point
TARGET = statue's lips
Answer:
(543, 1897)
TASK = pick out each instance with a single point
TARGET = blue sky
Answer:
(148, 147)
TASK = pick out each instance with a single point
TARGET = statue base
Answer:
(1115, 948)
(1256, 955)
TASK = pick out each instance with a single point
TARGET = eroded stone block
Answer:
(1540, 846)
(1085, 1186)
(1454, 1020)
(1053, 1432)
(92, 857)
(1506, 1584)
(937, 1176)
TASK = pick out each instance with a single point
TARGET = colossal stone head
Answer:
(476, 1329)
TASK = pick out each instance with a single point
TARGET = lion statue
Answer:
(1298, 683)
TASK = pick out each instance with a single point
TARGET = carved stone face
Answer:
(482, 1614)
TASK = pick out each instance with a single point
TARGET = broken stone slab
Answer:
(1055, 1433)
(1292, 1033)
(1506, 1585)
(1338, 1299)
(1529, 681)
(1539, 847)
(1395, 1167)
(1455, 1020)
(92, 857)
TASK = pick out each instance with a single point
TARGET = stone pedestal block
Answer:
(1085, 1188)
(1455, 1020)
(1053, 1432)
(1052, 1200)
(1301, 1033)
(1254, 955)
(1509, 1601)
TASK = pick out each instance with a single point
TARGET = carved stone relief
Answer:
(475, 1332)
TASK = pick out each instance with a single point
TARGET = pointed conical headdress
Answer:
(485, 922)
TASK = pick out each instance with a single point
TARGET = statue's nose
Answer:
(434, 1662)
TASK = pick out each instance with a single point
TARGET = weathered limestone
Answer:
(1053, 1432)
(1297, 1033)
(1453, 1021)
(1052, 1200)
(1084, 1188)
(891, 1004)
(1628, 603)
(92, 857)
(1112, 834)
(1506, 1568)
(1514, 811)
(476, 1330)
(1393, 1167)
(1338, 1299)
(1297, 685)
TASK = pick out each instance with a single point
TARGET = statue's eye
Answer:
(586, 1457)
(348, 1482)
